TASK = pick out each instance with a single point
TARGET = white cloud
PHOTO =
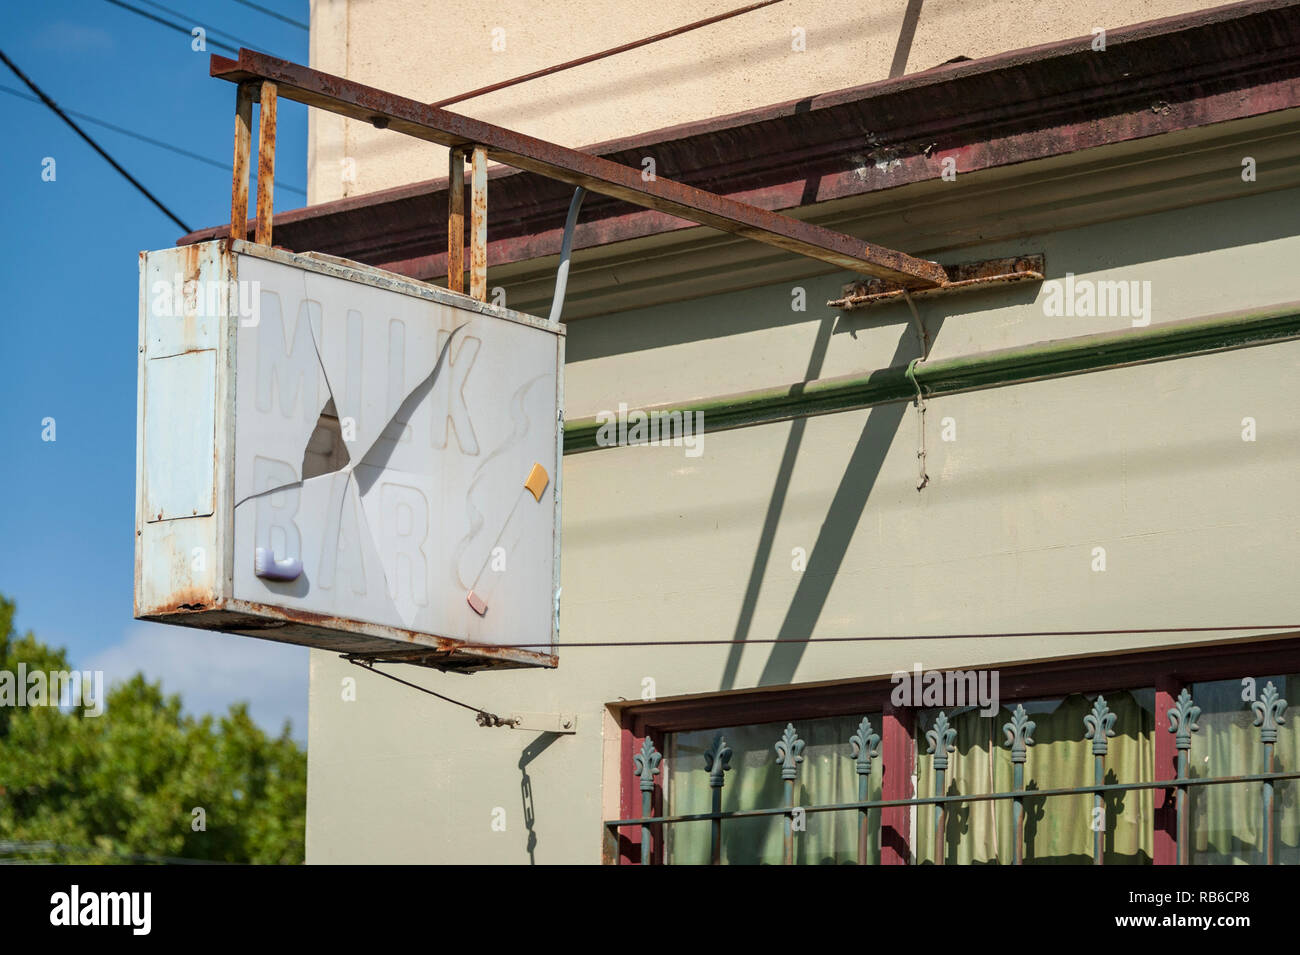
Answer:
(211, 670)
(67, 37)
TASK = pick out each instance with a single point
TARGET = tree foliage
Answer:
(126, 783)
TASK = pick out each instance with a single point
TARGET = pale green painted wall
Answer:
(1200, 528)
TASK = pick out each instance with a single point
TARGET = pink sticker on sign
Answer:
(476, 603)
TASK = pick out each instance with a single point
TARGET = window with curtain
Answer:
(827, 775)
(1227, 820)
(1057, 829)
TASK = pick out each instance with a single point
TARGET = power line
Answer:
(878, 639)
(591, 57)
(144, 139)
(194, 20)
(272, 13)
(486, 718)
(93, 145)
(167, 23)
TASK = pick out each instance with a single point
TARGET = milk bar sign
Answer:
(337, 456)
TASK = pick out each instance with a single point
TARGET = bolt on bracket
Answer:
(562, 723)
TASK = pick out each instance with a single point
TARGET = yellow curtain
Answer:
(1057, 829)
(827, 775)
(1227, 820)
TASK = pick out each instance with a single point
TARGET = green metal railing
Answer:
(1269, 711)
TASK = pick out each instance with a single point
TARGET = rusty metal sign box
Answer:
(333, 455)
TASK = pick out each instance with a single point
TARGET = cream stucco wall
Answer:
(433, 50)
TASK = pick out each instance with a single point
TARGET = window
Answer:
(1227, 820)
(827, 775)
(1058, 829)
(1240, 730)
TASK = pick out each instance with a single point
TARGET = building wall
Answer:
(432, 50)
(1148, 462)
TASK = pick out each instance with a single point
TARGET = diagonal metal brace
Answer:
(388, 111)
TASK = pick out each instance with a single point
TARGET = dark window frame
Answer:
(1168, 669)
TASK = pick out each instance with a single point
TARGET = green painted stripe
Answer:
(994, 369)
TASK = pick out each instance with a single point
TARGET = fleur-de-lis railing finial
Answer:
(940, 737)
(789, 752)
(1100, 725)
(1018, 732)
(1269, 710)
(865, 745)
(717, 760)
(1182, 719)
(646, 764)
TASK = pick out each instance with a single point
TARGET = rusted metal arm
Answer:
(266, 164)
(239, 170)
(389, 111)
(455, 220)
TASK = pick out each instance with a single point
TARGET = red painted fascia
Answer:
(1162, 76)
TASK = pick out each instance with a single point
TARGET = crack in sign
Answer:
(385, 440)
(338, 348)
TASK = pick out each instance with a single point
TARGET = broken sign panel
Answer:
(394, 457)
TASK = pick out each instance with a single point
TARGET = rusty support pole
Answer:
(239, 176)
(478, 226)
(456, 219)
(266, 163)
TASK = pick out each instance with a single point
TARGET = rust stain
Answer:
(960, 277)
(186, 600)
(266, 128)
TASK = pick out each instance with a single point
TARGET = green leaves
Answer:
(128, 781)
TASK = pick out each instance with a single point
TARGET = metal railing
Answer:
(1099, 726)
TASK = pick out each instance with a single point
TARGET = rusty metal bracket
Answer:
(265, 92)
(963, 277)
(265, 163)
(388, 111)
(456, 219)
(478, 225)
(561, 723)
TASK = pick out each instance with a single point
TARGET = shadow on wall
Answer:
(1092, 248)
(838, 527)
(760, 53)
(530, 753)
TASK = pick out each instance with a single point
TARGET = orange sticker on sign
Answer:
(537, 481)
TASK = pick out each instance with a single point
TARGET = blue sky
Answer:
(70, 273)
